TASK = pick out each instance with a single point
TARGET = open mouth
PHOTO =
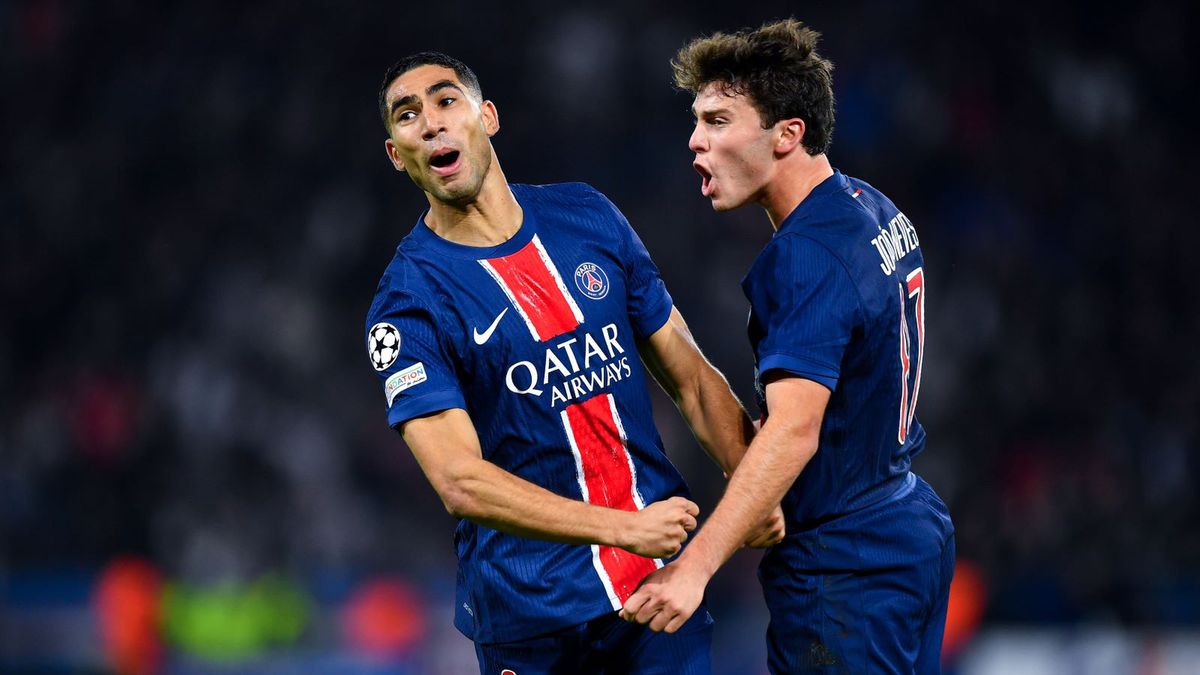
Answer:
(443, 161)
(706, 179)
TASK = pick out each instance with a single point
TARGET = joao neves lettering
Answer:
(896, 241)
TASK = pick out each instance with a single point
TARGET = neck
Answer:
(492, 218)
(795, 177)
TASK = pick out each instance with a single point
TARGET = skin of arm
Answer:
(788, 440)
(446, 446)
(702, 394)
(704, 398)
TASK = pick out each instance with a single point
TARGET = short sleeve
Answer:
(404, 348)
(807, 306)
(648, 302)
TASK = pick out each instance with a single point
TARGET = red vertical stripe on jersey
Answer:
(532, 286)
(605, 465)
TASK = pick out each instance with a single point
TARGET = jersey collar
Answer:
(422, 235)
(831, 185)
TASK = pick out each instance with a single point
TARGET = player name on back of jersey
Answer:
(576, 368)
(895, 242)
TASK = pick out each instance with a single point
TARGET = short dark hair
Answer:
(465, 75)
(776, 66)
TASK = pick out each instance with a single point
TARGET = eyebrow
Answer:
(431, 90)
(709, 111)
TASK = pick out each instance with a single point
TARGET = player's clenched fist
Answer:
(659, 530)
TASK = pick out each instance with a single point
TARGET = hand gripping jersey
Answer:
(537, 340)
(838, 297)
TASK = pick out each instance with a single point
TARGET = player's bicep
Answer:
(442, 442)
(797, 404)
(672, 356)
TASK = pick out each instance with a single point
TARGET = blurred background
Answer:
(196, 473)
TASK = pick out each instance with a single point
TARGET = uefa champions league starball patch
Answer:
(591, 280)
(383, 345)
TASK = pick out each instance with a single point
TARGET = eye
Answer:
(447, 101)
(405, 116)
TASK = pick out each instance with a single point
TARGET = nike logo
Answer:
(481, 338)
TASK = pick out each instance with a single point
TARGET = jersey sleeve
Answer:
(648, 302)
(809, 307)
(406, 351)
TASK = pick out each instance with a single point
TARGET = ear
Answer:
(491, 117)
(789, 135)
(394, 155)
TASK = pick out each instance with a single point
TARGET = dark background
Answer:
(197, 207)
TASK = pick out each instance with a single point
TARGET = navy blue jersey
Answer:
(536, 340)
(838, 297)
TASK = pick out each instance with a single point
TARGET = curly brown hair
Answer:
(776, 66)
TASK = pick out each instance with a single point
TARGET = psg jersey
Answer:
(838, 297)
(536, 339)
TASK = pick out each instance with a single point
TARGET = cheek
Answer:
(404, 157)
(480, 152)
(741, 164)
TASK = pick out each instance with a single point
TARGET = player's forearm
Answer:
(717, 419)
(776, 457)
(486, 494)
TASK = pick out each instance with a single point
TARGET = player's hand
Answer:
(667, 598)
(769, 532)
(659, 530)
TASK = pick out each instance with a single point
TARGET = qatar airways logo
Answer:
(576, 368)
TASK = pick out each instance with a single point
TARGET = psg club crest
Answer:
(383, 345)
(591, 280)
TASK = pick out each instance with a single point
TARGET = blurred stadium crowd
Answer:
(197, 207)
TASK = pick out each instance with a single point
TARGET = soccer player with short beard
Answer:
(507, 332)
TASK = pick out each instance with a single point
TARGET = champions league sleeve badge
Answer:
(591, 280)
(383, 345)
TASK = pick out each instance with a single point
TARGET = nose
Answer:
(698, 143)
(434, 124)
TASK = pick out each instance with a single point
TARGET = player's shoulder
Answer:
(853, 203)
(578, 209)
(803, 249)
(567, 198)
(875, 204)
(565, 194)
(839, 217)
(402, 284)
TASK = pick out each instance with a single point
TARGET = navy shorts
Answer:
(864, 593)
(606, 646)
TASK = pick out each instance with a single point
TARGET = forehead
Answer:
(720, 96)
(417, 80)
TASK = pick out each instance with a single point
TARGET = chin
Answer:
(458, 192)
(722, 204)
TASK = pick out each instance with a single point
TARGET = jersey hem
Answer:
(656, 318)
(799, 366)
(545, 627)
(428, 403)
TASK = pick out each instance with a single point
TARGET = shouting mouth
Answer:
(444, 161)
(706, 179)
